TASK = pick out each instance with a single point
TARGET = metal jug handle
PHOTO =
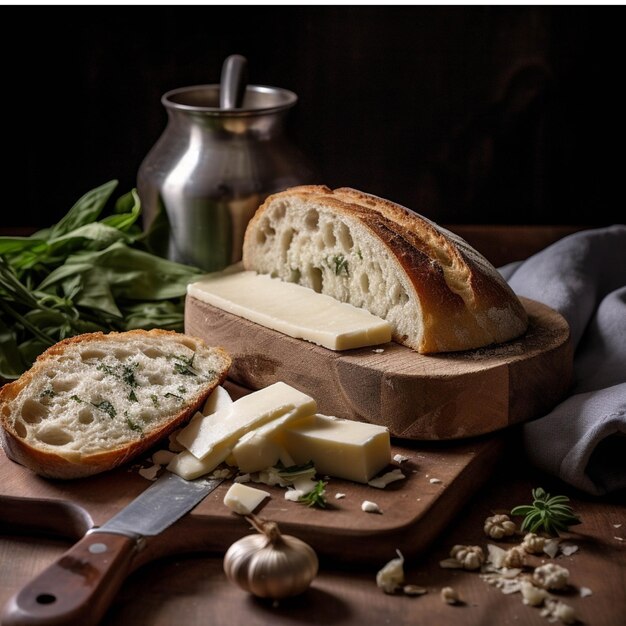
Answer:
(233, 82)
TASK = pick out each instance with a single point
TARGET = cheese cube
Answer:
(229, 424)
(292, 309)
(243, 499)
(342, 448)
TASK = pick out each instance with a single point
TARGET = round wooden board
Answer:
(426, 397)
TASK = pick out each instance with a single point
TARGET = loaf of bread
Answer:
(436, 291)
(95, 401)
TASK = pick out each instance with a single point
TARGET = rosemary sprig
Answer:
(315, 497)
(548, 513)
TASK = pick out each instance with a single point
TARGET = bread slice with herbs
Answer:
(95, 401)
(436, 291)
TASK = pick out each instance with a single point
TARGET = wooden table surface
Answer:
(192, 589)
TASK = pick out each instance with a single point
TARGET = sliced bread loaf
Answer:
(436, 291)
(95, 401)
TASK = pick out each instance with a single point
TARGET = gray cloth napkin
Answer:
(583, 276)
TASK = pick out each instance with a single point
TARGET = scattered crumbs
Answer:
(400, 458)
(617, 525)
(435, 481)
(427, 475)
(242, 478)
(370, 507)
(584, 592)
(150, 473)
(568, 549)
(418, 499)
(619, 538)
(339, 496)
(378, 350)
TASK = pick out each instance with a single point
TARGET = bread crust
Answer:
(73, 464)
(465, 303)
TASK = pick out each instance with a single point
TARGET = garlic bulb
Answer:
(269, 564)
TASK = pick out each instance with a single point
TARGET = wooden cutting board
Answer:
(439, 481)
(426, 397)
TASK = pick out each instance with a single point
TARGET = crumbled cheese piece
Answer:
(551, 576)
(501, 582)
(150, 473)
(557, 610)
(617, 525)
(339, 496)
(243, 499)
(400, 458)
(495, 555)
(382, 481)
(378, 350)
(498, 526)
(449, 595)
(370, 507)
(162, 457)
(568, 548)
(531, 595)
(551, 547)
(619, 538)
(242, 478)
(470, 557)
(293, 495)
(584, 592)
(391, 576)
(434, 481)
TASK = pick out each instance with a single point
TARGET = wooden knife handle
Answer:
(78, 587)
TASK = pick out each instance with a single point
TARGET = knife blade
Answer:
(79, 587)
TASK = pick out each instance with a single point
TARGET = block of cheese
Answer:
(225, 427)
(292, 310)
(342, 448)
(243, 499)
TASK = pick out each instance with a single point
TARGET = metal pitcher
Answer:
(212, 167)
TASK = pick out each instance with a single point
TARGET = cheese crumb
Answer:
(339, 496)
(568, 548)
(400, 458)
(150, 473)
(370, 507)
(435, 481)
(584, 592)
(382, 481)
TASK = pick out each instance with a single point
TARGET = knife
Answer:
(79, 587)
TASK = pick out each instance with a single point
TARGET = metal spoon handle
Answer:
(233, 81)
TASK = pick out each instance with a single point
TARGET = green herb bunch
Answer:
(548, 513)
(86, 273)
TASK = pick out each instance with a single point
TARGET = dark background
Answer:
(506, 115)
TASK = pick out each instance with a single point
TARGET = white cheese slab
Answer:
(291, 309)
(226, 426)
